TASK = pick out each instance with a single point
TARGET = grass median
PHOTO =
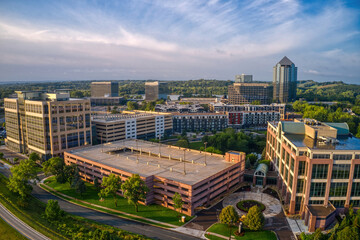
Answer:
(152, 211)
(224, 230)
(8, 232)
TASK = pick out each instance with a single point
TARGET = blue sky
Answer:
(178, 40)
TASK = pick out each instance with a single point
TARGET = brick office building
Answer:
(318, 166)
(200, 178)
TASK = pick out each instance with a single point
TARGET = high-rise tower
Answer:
(284, 81)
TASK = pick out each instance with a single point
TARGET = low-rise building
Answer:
(131, 124)
(200, 177)
(47, 123)
(319, 168)
(245, 119)
(180, 108)
(222, 107)
(199, 122)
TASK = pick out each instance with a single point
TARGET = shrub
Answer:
(229, 215)
(53, 211)
(254, 220)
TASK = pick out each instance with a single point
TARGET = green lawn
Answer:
(223, 229)
(9, 233)
(153, 211)
(196, 145)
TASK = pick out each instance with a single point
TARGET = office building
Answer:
(247, 93)
(205, 122)
(284, 81)
(319, 168)
(104, 89)
(47, 123)
(156, 90)
(243, 78)
(201, 178)
(131, 124)
(107, 101)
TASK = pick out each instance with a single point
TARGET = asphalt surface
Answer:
(20, 226)
(104, 218)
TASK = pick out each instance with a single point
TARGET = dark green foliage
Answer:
(111, 185)
(252, 158)
(96, 183)
(34, 157)
(1, 155)
(254, 219)
(229, 215)
(230, 140)
(245, 205)
(19, 181)
(348, 233)
(53, 211)
(247, 164)
(328, 114)
(134, 189)
(178, 202)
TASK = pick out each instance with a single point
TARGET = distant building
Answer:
(201, 178)
(284, 81)
(132, 124)
(180, 108)
(319, 168)
(156, 90)
(47, 123)
(205, 122)
(222, 107)
(104, 89)
(247, 93)
(243, 78)
(245, 119)
(107, 101)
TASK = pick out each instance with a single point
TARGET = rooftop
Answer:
(319, 210)
(345, 142)
(170, 165)
(125, 115)
(285, 62)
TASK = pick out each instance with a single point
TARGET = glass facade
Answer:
(355, 189)
(319, 171)
(317, 189)
(340, 171)
(300, 186)
(338, 203)
(357, 171)
(302, 168)
(338, 189)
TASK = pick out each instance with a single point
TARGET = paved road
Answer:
(104, 218)
(20, 226)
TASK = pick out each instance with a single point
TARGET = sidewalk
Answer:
(297, 226)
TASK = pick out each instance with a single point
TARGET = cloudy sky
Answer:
(178, 40)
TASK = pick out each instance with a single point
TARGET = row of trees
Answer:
(145, 105)
(230, 140)
(328, 114)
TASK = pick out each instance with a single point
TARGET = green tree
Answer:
(247, 164)
(1, 155)
(252, 158)
(254, 219)
(178, 202)
(55, 166)
(229, 215)
(21, 175)
(96, 183)
(182, 143)
(348, 233)
(111, 185)
(34, 157)
(134, 189)
(80, 187)
(53, 211)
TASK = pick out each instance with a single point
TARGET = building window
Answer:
(298, 203)
(292, 164)
(321, 156)
(319, 171)
(338, 189)
(357, 171)
(355, 203)
(355, 189)
(317, 189)
(302, 167)
(300, 186)
(316, 202)
(338, 203)
(340, 171)
(342, 156)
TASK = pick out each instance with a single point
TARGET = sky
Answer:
(47, 40)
